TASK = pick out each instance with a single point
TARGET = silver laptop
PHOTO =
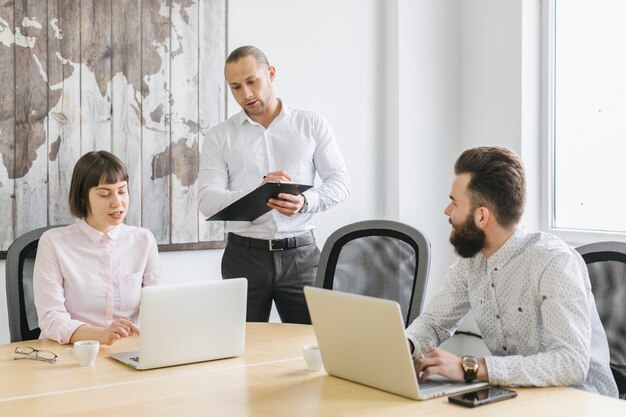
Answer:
(187, 323)
(362, 339)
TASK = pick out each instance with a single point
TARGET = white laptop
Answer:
(187, 323)
(362, 339)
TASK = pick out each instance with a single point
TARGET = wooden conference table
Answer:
(270, 379)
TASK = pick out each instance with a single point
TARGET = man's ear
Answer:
(272, 72)
(482, 216)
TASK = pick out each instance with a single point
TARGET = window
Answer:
(587, 117)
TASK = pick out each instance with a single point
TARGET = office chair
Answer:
(379, 258)
(23, 321)
(606, 263)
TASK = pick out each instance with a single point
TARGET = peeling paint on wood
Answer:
(80, 75)
(156, 30)
(7, 125)
(157, 114)
(183, 159)
(64, 145)
(31, 110)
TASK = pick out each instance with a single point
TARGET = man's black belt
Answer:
(274, 244)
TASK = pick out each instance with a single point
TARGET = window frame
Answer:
(572, 236)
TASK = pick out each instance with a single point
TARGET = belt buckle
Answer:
(271, 246)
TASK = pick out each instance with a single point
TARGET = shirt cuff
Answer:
(497, 370)
(416, 347)
(66, 330)
(313, 201)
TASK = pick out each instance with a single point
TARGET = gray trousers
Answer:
(279, 276)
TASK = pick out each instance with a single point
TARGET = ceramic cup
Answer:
(85, 352)
(312, 357)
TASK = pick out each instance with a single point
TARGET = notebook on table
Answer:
(186, 323)
(362, 339)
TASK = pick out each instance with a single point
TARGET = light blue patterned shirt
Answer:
(533, 305)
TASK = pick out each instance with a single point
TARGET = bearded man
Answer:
(529, 292)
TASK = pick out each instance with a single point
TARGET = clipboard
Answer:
(254, 204)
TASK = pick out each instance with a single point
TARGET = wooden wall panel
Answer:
(126, 97)
(184, 151)
(155, 33)
(95, 45)
(140, 78)
(31, 109)
(7, 125)
(63, 122)
(212, 101)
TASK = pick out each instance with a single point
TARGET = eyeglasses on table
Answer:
(35, 354)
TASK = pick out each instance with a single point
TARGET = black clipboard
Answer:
(254, 204)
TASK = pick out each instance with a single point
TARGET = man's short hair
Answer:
(248, 50)
(497, 181)
(92, 169)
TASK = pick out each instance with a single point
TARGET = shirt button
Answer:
(519, 309)
(504, 348)
(498, 316)
(493, 285)
(495, 269)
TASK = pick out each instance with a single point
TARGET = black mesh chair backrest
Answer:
(606, 263)
(23, 322)
(379, 258)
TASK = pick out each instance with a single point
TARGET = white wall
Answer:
(327, 57)
(429, 109)
(491, 90)
(501, 84)
(406, 86)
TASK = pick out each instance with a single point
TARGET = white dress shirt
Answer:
(533, 305)
(237, 154)
(83, 276)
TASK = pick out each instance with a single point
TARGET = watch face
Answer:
(469, 362)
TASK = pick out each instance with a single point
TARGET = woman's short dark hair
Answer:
(92, 169)
(497, 181)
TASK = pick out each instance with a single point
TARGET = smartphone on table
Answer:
(482, 396)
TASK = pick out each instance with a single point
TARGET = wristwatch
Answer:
(305, 206)
(470, 367)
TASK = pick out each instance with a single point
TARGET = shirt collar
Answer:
(95, 235)
(509, 249)
(284, 111)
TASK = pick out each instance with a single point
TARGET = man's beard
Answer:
(466, 238)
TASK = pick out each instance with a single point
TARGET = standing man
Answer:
(530, 292)
(266, 142)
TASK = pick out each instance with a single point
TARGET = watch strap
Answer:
(305, 206)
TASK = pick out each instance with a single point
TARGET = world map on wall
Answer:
(141, 79)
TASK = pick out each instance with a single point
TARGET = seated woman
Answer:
(88, 276)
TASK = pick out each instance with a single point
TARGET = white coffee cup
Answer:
(312, 357)
(85, 352)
